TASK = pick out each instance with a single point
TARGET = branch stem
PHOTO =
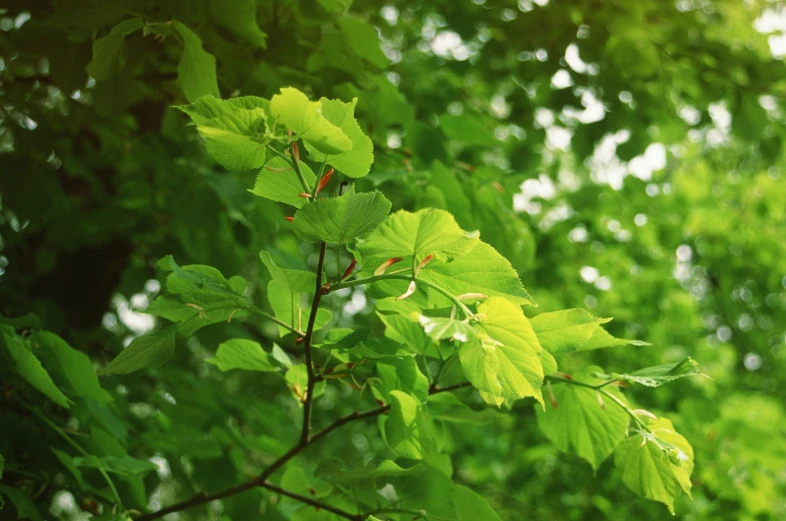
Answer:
(307, 341)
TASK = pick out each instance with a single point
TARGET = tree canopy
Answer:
(335, 259)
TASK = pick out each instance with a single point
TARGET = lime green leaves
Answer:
(580, 421)
(656, 463)
(660, 374)
(109, 52)
(355, 162)
(339, 220)
(196, 71)
(240, 353)
(144, 351)
(278, 181)
(306, 120)
(235, 131)
(503, 362)
(566, 330)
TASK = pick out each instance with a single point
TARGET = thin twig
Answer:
(313, 502)
(307, 340)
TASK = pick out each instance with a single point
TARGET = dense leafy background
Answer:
(625, 156)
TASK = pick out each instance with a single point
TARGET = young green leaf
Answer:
(235, 131)
(278, 181)
(196, 71)
(122, 465)
(566, 330)
(656, 464)
(357, 161)
(582, 422)
(240, 17)
(30, 368)
(144, 351)
(363, 39)
(240, 353)
(402, 429)
(659, 374)
(305, 118)
(503, 362)
(74, 365)
(469, 506)
(109, 52)
(338, 220)
(601, 338)
(415, 235)
(482, 271)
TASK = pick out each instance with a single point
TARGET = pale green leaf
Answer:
(566, 330)
(469, 506)
(659, 374)
(240, 17)
(357, 161)
(241, 353)
(109, 52)
(582, 421)
(402, 429)
(482, 270)
(283, 186)
(657, 464)
(305, 118)
(235, 131)
(144, 351)
(601, 338)
(30, 368)
(503, 362)
(122, 465)
(405, 330)
(74, 365)
(441, 328)
(414, 236)
(196, 71)
(338, 220)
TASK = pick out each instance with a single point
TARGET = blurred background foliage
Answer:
(627, 157)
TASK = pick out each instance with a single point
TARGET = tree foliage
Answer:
(344, 260)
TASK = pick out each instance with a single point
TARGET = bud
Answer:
(304, 195)
(646, 413)
(410, 290)
(385, 265)
(290, 219)
(349, 270)
(552, 399)
(422, 264)
(325, 179)
(296, 152)
(472, 296)
(275, 169)
(600, 400)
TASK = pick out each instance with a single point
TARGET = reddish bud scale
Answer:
(350, 269)
(422, 264)
(296, 152)
(385, 265)
(290, 219)
(304, 195)
(325, 179)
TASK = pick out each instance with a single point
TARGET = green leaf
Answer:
(447, 407)
(413, 236)
(483, 270)
(123, 465)
(363, 39)
(503, 361)
(30, 368)
(25, 508)
(405, 330)
(357, 161)
(109, 52)
(195, 309)
(240, 353)
(467, 129)
(469, 506)
(68, 463)
(305, 118)
(659, 374)
(196, 71)
(333, 470)
(582, 421)
(441, 328)
(400, 374)
(566, 330)
(284, 294)
(240, 17)
(657, 464)
(2, 464)
(283, 186)
(297, 381)
(402, 427)
(144, 351)
(74, 365)
(338, 220)
(235, 131)
(601, 338)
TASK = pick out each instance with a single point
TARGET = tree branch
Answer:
(261, 480)
(313, 502)
(312, 379)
